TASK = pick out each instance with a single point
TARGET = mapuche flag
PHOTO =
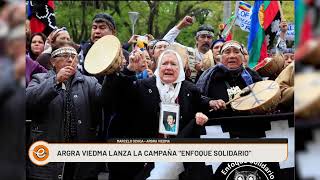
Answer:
(227, 30)
(41, 16)
(307, 20)
(265, 20)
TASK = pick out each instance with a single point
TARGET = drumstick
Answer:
(243, 93)
(72, 63)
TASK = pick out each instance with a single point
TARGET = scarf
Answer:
(169, 92)
(245, 75)
(70, 126)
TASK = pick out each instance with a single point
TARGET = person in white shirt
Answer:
(281, 42)
(203, 37)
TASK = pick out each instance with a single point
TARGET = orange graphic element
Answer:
(40, 153)
(261, 15)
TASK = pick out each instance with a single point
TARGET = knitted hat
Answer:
(102, 17)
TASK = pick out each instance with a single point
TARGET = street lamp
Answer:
(133, 18)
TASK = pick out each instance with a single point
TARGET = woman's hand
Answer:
(135, 57)
(217, 104)
(48, 43)
(201, 118)
(133, 39)
(150, 73)
(150, 37)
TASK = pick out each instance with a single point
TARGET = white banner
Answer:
(42, 153)
(243, 16)
(290, 32)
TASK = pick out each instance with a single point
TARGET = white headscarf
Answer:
(169, 93)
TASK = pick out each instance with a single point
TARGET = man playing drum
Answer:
(224, 80)
(102, 25)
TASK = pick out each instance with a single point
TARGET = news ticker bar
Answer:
(162, 150)
(197, 140)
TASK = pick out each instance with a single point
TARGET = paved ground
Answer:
(103, 176)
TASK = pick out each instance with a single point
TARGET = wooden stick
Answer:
(227, 103)
(242, 93)
(73, 61)
(281, 12)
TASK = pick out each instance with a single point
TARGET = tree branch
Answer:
(179, 14)
(154, 9)
(83, 20)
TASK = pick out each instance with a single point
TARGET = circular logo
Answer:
(39, 153)
(247, 171)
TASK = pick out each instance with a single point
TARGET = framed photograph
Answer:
(169, 119)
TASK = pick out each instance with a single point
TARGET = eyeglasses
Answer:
(66, 56)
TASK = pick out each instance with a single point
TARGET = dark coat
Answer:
(215, 85)
(12, 134)
(45, 103)
(136, 105)
(12, 127)
(217, 89)
(44, 60)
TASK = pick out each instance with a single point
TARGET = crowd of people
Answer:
(12, 89)
(65, 103)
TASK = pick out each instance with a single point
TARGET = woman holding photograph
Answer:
(142, 100)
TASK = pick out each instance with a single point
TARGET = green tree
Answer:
(156, 17)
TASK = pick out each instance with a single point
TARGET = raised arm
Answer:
(121, 85)
(174, 32)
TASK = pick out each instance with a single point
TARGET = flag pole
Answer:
(281, 12)
(235, 19)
